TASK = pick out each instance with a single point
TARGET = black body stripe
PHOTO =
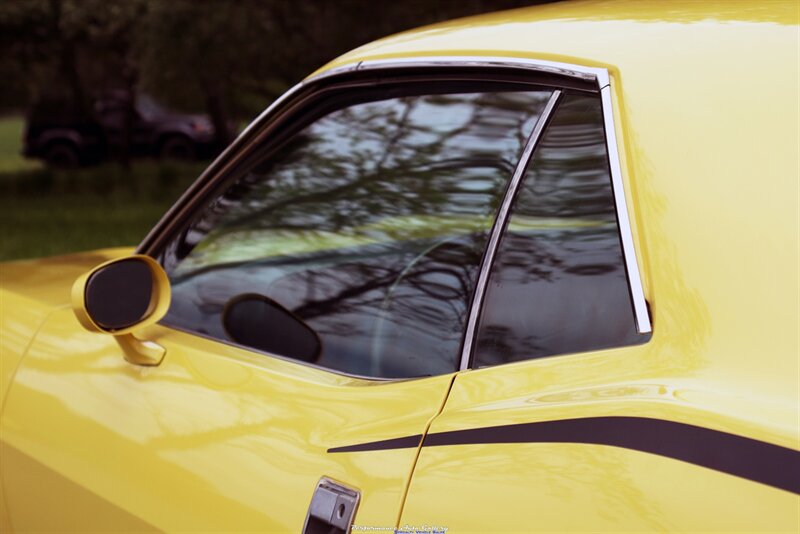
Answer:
(736, 455)
(407, 442)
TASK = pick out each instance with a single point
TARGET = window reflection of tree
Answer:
(417, 160)
(558, 284)
(380, 160)
(342, 300)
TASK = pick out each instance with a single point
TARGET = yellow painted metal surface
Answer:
(708, 108)
(214, 438)
(565, 487)
(522, 487)
(160, 297)
(707, 115)
(29, 291)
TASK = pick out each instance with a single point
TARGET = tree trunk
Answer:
(131, 77)
(68, 65)
(215, 106)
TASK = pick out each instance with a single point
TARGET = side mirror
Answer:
(259, 322)
(120, 296)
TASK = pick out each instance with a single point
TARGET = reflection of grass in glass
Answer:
(521, 223)
(43, 212)
(242, 244)
(239, 245)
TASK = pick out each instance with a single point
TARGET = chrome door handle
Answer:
(332, 509)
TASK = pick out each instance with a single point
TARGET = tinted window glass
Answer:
(368, 227)
(558, 284)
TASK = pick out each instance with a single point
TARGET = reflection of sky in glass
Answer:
(369, 225)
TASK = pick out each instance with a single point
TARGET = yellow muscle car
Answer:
(529, 271)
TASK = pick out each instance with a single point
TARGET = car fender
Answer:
(30, 291)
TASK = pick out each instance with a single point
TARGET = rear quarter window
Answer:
(558, 284)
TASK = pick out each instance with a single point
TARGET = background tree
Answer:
(227, 58)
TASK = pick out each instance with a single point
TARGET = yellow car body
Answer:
(218, 437)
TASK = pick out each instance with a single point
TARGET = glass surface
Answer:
(119, 295)
(369, 226)
(558, 284)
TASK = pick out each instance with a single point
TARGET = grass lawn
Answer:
(45, 212)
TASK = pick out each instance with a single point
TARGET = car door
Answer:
(215, 438)
(364, 216)
(573, 416)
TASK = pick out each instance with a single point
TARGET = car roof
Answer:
(706, 98)
(608, 33)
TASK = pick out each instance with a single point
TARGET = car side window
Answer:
(356, 245)
(558, 284)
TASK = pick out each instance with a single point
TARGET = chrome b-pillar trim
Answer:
(499, 227)
(643, 324)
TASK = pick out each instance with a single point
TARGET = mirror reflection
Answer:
(119, 295)
(257, 321)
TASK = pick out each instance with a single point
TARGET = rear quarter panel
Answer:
(707, 114)
(525, 487)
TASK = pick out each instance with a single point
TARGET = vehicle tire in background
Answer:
(177, 148)
(62, 155)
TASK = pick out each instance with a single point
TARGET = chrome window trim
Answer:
(499, 226)
(231, 343)
(551, 67)
(599, 75)
(643, 324)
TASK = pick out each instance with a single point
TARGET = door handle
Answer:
(332, 509)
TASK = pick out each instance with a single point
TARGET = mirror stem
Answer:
(139, 352)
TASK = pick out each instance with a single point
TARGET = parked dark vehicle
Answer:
(64, 136)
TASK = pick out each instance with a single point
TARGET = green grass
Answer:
(45, 212)
(11, 161)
